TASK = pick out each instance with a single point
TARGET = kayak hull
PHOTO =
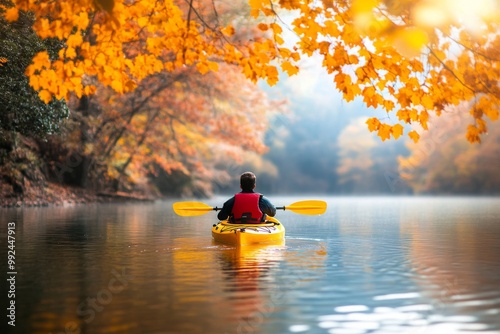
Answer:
(272, 232)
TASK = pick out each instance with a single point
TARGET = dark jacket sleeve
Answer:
(267, 207)
(226, 210)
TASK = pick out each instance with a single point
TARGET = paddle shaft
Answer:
(277, 208)
(284, 208)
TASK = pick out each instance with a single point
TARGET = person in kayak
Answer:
(247, 206)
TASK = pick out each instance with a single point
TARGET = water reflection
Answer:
(247, 274)
(370, 265)
(424, 265)
(456, 262)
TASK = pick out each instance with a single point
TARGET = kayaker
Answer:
(247, 206)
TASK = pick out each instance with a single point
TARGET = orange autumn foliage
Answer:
(444, 163)
(168, 35)
(409, 58)
(176, 122)
(166, 112)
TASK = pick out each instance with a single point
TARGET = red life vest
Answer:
(246, 208)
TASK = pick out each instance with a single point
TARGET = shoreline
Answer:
(57, 195)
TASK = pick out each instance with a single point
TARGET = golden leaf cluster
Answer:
(409, 58)
(121, 42)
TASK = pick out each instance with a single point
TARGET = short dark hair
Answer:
(247, 181)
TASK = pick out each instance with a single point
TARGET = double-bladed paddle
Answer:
(310, 207)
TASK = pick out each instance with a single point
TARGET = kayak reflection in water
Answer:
(247, 206)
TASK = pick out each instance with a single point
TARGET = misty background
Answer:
(323, 146)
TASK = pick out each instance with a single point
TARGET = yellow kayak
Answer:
(270, 232)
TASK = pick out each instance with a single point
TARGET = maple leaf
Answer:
(256, 6)
(427, 102)
(472, 134)
(117, 86)
(423, 118)
(373, 124)
(276, 28)
(289, 68)
(70, 52)
(384, 131)
(388, 105)
(45, 96)
(272, 75)
(397, 131)
(414, 136)
(263, 26)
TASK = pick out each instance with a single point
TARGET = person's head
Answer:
(247, 181)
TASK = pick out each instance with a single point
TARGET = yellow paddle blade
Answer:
(191, 208)
(311, 207)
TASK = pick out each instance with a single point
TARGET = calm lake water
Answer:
(369, 265)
